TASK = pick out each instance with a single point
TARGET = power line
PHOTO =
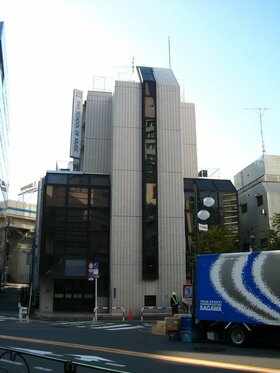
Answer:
(261, 111)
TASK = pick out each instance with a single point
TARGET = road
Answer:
(130, 347)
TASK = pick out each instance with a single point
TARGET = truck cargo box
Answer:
(238, 287)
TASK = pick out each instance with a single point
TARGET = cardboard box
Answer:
(159, 328)
(161, 324)
(158, 331)
(172, 323)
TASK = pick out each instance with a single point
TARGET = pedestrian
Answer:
(174, 303)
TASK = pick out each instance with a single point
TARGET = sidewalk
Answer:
(10, 296)
(62, 316)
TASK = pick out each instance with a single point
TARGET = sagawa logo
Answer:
(210, 305)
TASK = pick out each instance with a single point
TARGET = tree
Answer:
(217, 240)
(272, 235)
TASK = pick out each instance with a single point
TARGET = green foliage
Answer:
(272, 235)
(216, 240)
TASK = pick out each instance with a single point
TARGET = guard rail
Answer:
(13, 360)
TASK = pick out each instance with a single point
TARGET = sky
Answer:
(225, 53)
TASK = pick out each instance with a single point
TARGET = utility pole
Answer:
(6, 253)
(261, 111)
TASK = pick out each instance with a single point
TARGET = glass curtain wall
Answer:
(149, 176)
(75, 231)
(223, 213)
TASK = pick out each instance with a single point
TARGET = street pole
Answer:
(5, 254)
(196, 220)
(196, 252)
(95, 301)
(203, 215)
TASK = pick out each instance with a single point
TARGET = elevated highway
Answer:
(16, 253)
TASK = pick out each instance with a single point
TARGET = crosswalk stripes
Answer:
(99, 325)
(117, 327)
(8, 318)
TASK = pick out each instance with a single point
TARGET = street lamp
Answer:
(202, 214)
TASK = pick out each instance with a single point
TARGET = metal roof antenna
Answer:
(261, 111)
(132, 64)
(169, 54)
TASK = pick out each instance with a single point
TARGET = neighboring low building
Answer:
(29, 193)
(258, 187)
(19, 238)
(73, 230)
(223, 213)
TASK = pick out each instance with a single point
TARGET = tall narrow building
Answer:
(139, 143)
(4, 145)
(144, 137)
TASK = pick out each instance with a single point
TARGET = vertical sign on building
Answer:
(76, 128)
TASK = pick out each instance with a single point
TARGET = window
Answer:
(56, 196)
(151, 194)
(99, 197)
(259, 200)
(150, 300)
(99, 242)
(75, 267)
(244, 208)
(78, 197)
(149, 176)
(76, 242)
(150, 129)
(99, 220)
(77, 219)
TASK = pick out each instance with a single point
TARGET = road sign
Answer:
(187, 292)
(203, 227)
(90, 271)
(95, 265)
(95, 273)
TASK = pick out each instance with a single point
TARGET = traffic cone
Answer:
(130, 315)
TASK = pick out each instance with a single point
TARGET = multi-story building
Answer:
(4, 147)
(122, 209)
(258, 188)
(140, 140)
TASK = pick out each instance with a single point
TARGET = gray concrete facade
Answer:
(258, 188)
(112, 144)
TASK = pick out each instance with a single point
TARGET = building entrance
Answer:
(73, 295)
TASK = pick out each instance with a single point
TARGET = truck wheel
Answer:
(238, 336)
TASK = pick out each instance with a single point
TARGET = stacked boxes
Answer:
(173, 324)
(179, 326)
(159, 328)
(169, 325)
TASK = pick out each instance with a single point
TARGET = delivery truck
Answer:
(237, 296)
